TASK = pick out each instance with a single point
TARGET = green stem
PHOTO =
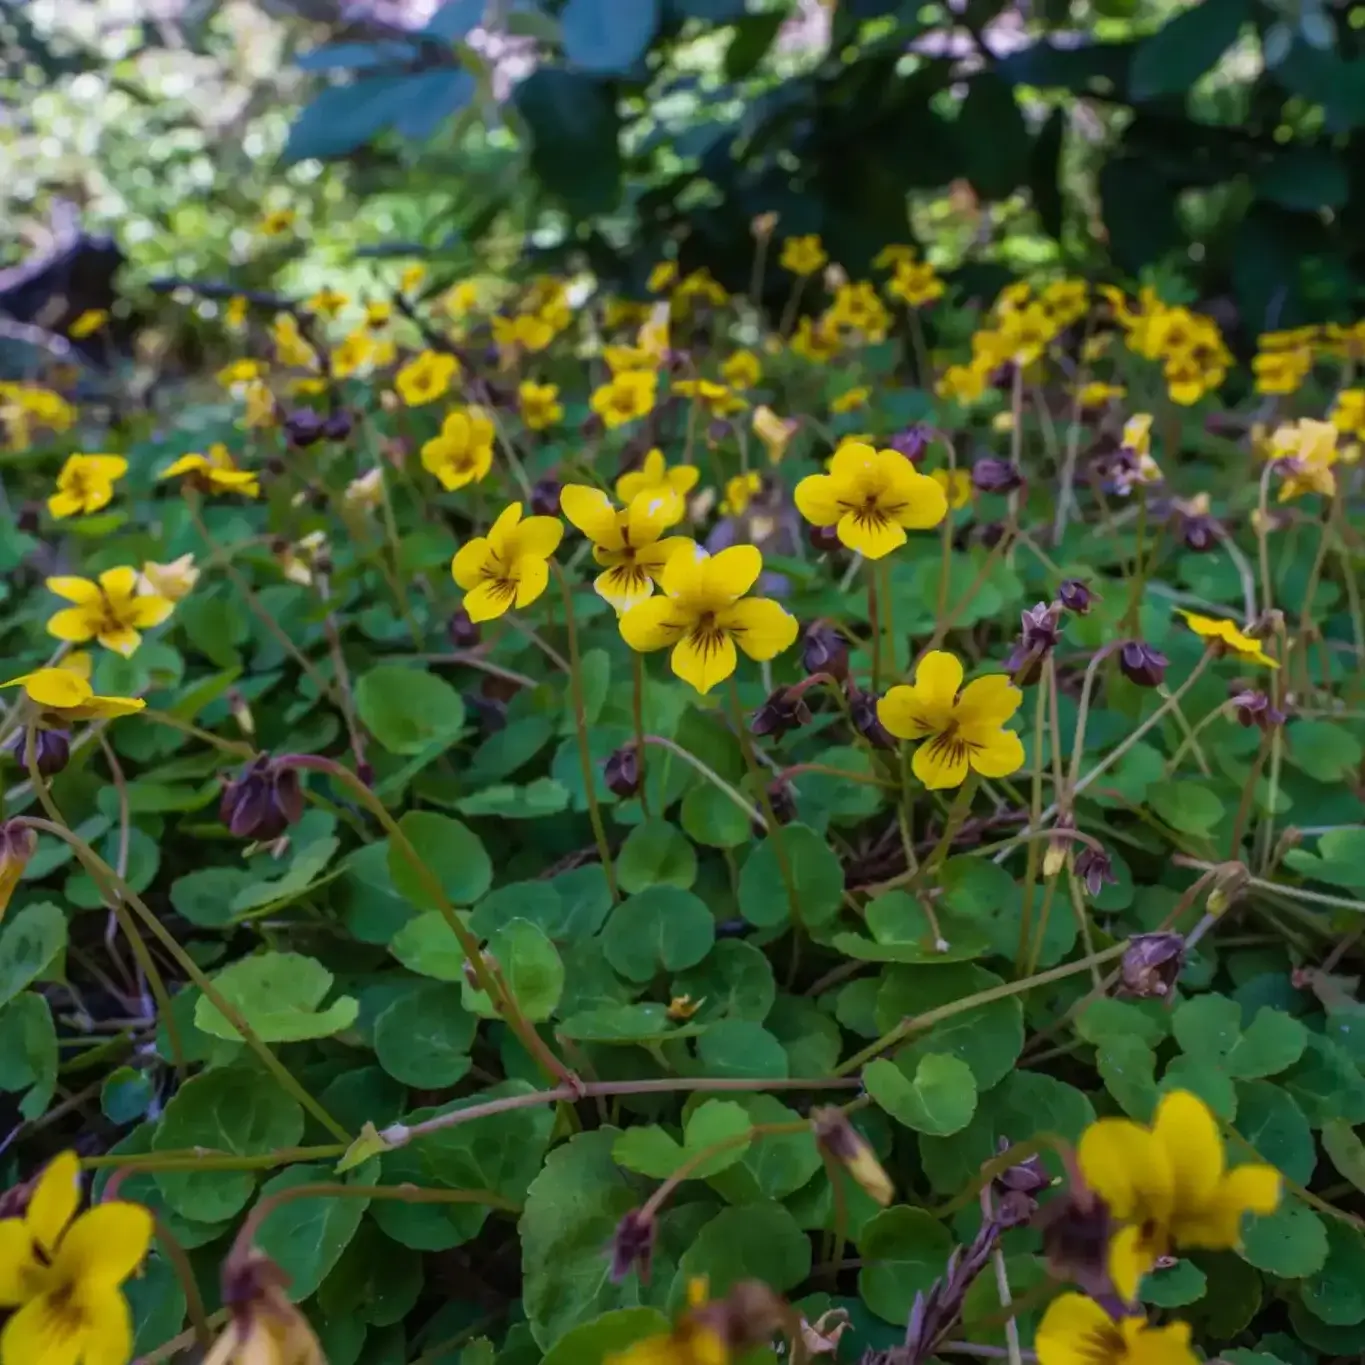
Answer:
(713, 777)
(873, 616)
(638, 714)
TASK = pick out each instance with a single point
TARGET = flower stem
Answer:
(874, 619)
(713, 777)
(638, 714)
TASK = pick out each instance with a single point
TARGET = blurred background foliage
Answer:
(1215, 149)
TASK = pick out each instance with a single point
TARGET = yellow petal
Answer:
(532, 574)
(121, 639)
(925, 503)
(106, 1243)
(504, 526)
(72, 624)
(1127, 1168)
(65, 505)
(732, 572)
(56, 687)
(685, 576)
(537, 536)
(624, 585)
(900, 712)
(120, 582)
(940, 762)
(106, 708)
(16, 1262)
(186, 464)
(654, 624)
(817, 499)
(703, 658)
(1074, 1331)
(682, 479)
(1185, 1129)
(591, 511)
(488, 598)
(761, 627)
(999, 755)
(1146, 1345)
(853, 465)
(40, 1334)
(653, 559)
(467, 568)
(54, 1202)
(873, 536)
(650, 514)
(79, 590)
(108, 467)
(938, 678)
(1131, 1256)
(988, 701)
(148, 610)
(109, 1334)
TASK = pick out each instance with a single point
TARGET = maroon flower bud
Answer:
(824, 650)
(912, 442)
(1076, 596)
(1028, 1177)
(991, 533)
(1141, 664)
(1253, 707)
(51, 750)
(304, 427)
(1038, 637)
(1199, 532)
(622, 771)
(489, 712)
(262, 801)
(632, 1246)
(1094, 869)
(1151, 964)
(862, 708)
(545, 498)
(338, 425)
(992, 475)
(461, 631)
(782, 799)
(784, 710)
(823, 540)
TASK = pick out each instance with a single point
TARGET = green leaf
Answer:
(1186, 805)
(817, 879)
(157, 1301)
(278, 995)
(306, 1236)
(1308, 179)
(423, 1038)
(1276, 1128)
(302, 874)
(125, 1095)
(28, 1053)
(1342, 1144)
(453, 854)
(1174, 57)
(775, 1166)
(711, 818)
(939, 1100)
(427, 945)
(1336, 1293)
(1110, 1018)
(29, 946)
(659, 929)
(1324, 751)
(735, 979)
(1174, 1287)
(504, 801)
(1209, 1028)
(1326, 1083)
(755, 1241)
(652, 1152)
(1290, 1243)
(573, 122)
(738, 1048)
(655, 854)
(901, 932)
(531, 967)
(994, 136)
(903, 1251)
(607, 1335)
(1128, 1068)
(604, 36)
(406, 709)
(230, 1111)
(205, 897)
(344, 117)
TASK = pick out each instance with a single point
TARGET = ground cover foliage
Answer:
(542, 824)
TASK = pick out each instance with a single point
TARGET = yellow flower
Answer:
(804, 255)
(235, 313)
(654, 476)
(173, 581)
(1065, 300)
(307, 386)
(1024, 333)
(892, 255)
(956, 485)
(857, 308)
(88, 323)
(1348, 413)
(525, 332)
(964, 726)
(1097, 394)
(703, 614)
(627, 541)
(509, 566)
(425, 378)
(260, 406)
(1289, 338)
(617, 313)
(327, 302)
(461, 299)
(463, 451)
(739, 493)
(621, 358)
(851, 399)
(742, 370)
(291, 346)
(85, 484)
(662, 277)
(299, 562)
(216, 472)
(1308, 450)
(718, 400)
(627, 396)
(17, 846)
(352, 353)
(775, 432)
(814, 341)
(62, 1274)
(1281, 371)
(411, 278)
(1237, 642)
(700, 284)
(263, 1327)
(110, 610)
(1169, 1185)
(277, 222)
(964, 383)
(872, 497)
(696, 1338)
(1075, 1330)
(1346, 342)
(378, 313)
(64, 695)
(540, 405)
(240, 372)
(916, 283)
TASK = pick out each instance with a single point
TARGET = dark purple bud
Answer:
(1141, 664)
(824, 650)
(823, 540)
(304, 427)
(51, 750)
(622, 771)
(592, 427)
(338, 425)
(461, 631)
(912, 442)
(1253, 707)
(1041, 629)
(862, 708)
(545, 498)
(992, 475)
(30, 518)
(1094, 869)
(1029, 1176)
(1151, 964)
(632, 1246)
(262, 801)
(991, 533)
(1076, 596)
(784, 710)
(782, 799)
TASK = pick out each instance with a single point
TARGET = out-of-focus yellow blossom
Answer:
(235, 313)
(277, 222)
(1289, 338)
(463, 451)
(307, 386)
(527, 332)
(662, 277)
(739, 493)
(352, 353)
(1346, 343)
(259, 405)
(857, 308)
(1097, 394)
(851, 399)
(956, 485)
(718, 400)
(173, 581)
(762, 225)
(742, 370)
(629, 395)
(700, 285)
(1076, 1330)
(327, 302)
(426, 377)
(88, 323)
(291, 347)
(654, 477)
(240, 372)
(216, 472)
(461, 299)
(1308, 452)
(411, 279)
(915, 283)
(1065, 301)
(85, 484)
(893, 255)
(299, 562)
(1348, 412)
(618, 313)
(815, 341)
(1281, 370)
(1023, 333)
(539, 404)
(804, 256)
(964, 383)
(378, 313)
(775, 432)
(366, 491)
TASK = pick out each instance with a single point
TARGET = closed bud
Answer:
(912, 442)
(240, 710)
(1095, 870)
(545, 497)
(51, 750)
(304, 427)
(823, 540)
(862, 708)
(1253, 707)
(784, 710)
(461, 631)
(1055, 857)
(1076, 596)
(1026, 1177)
(622, 771)
(1141, 664)
(632, 1246)
(1151, 964)
(338, 425)
(17, 845)
(262, 801)
(782, 799)
(992, 475)
(824, 650)
(838, 1137)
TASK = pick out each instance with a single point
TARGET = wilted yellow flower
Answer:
(682, 1007)
(628, 395)
(172, 581)
(264, 1327)
(539, 403)
(740, 491)
(17, 845)
(654, 476)
(85, 484)
(841, 1140)
(1308, 450)
(509, 566)
(366, 491)
(299, 561)
(775, 432)
(88, 323)
(426, 377)
(1235, 641)
(463, 451)
(804, 255)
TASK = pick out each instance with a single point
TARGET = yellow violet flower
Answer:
(694, 1338)
(916, 283)
(172, 581)
(892, 255)
(539, 403)
(662, 277)
(63, 694)
(851, 399)
(742, 370)
(1236, 641)
(857, 308)
(291, 346)
(964, 383)
(62, 1274)
(1308, 450)
(509, 566)
(626, 540)
(1281, 371)
(964, 726)
(327, 302)
(412, 277)
(1075, 1330)
(1170, 1185)
(88, 323)
(463, 451)
(216, 472)
(109, 610)
(425, 378)
(240, 372)
(85, 484)
(378, 313)
(718, 400)
(352, 353)
(700, 284)
(703, 614)
(260, 408)
(872, 497)
(461, 299)
(816, 342)
(1348, 413)
(628, 395)
(655, 476)
(956, 485)
(775, 432)
(277, 222)
(739, 493)
(1097, 394)
(804, 255)
(524, 332)
(1065, 300)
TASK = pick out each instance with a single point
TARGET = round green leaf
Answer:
(939, 1100)
(408, 710)
(1290, 1243)
(28, 946)
(1336, 1293)
(659, 929)
(739, 1047)
(423, 1038)
(903, 1253)
(530, 966)
(1175, 1286)
(754, 1242)
(453, 854)
(278, 995)
(815, 873)
(593, 1342)
(1276, 1127)
(1186, 805)
(712, 818)
(427, 945)
(304, 1236)
(655, 854)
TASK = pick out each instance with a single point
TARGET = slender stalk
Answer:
(713, 777)
(874, 620)
(184, 1272)
(638, 712)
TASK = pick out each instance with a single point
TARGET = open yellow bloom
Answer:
(461, 299)
(378, 313)
(856, 308)
(851, 399)
(1281, 371)
(327, 302)
(700, 284)
(85, 484)
(964, 726)
(655, 476)
(1348, 412)
(110, 610)
(1066, 300)
(694, 1339)
(63, 694)
(525, 332)
(1236, 641)
(216, 472)
(742, 370)
(775, 432)
(626, 540)
(704, 613)
(463, 451)
(352, 353)
(540, 405)
(510, 566)
(172, 581)
(1075, 1330)
(277, 222)
(88, 323)
(956, 485)
(240, 372)
(291, 346)
(816, 341)
(628, 395)
(964, 383)
(425, 377)
(916, 284)
(872, 497)
(1309, 450)
(718, 400)
(62, 1274)
(1169, 1184)
(804, 255)
(739, 493)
